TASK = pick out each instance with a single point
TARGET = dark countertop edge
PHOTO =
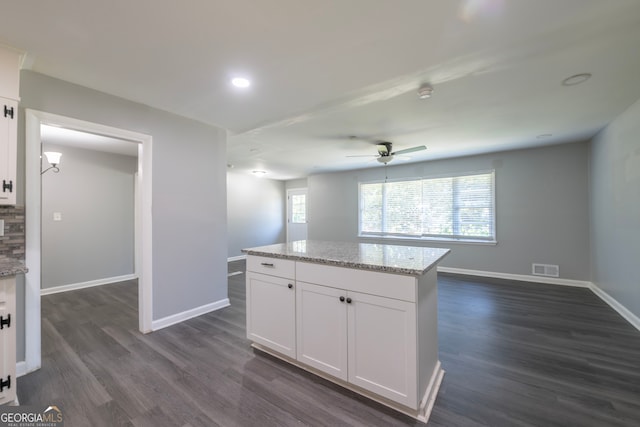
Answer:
(359, 266)
(12, 267)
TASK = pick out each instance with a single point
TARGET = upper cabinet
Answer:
(9, 90)
(9, 73)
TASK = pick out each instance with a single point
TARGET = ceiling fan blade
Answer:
(411, 150)
(364, 155)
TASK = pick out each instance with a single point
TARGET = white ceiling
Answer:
(325, 70)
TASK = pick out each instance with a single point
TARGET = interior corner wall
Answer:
(189, 188)
(615, 209)
(256, 213)
(542, 206)
(93, 236)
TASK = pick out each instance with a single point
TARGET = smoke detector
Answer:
(425, 91)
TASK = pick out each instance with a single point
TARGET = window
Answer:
(450, 208)
(298, 208)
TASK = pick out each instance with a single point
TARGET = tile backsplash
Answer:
(12, 244)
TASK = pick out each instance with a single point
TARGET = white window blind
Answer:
(453, 207)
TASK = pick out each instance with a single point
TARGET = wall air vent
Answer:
(548, 270)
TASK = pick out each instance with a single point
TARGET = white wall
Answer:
(615, 209)
(542, 207)
(256, 213)
(94, 194)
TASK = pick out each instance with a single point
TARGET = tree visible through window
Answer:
(454, 207)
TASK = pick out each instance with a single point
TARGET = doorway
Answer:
(297, 220)
(143, 223)
(88, 210)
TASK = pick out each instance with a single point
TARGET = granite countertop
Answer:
(11, 267)
(409, 260)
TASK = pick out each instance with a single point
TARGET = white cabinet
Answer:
(373, 332)
(9, 73)
(382, 346)
(367, 340)
(271, 315)
(8, 155)
(7, 340)
(9, 89)
(322, 328)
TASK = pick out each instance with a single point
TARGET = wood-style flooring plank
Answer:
(515, 354)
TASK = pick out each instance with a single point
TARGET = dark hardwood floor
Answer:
(516, 354)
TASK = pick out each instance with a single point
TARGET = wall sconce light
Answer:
(53, 158)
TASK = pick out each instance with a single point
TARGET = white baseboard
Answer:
(518, 277)
(189, 314)
(612, 302)
(21, 368)
(236, 258)
(89, 284)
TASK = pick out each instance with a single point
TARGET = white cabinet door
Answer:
(271, 319)
(7, 340)
(8, 154)
(322, 328)
(382, 347)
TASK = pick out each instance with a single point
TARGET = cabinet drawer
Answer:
(272, 266)
(368, 282)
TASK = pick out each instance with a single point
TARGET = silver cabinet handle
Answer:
(267, 264)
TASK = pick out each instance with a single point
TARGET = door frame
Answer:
(33, 207)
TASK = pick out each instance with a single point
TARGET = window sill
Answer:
(429, 240)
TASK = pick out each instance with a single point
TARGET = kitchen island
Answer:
(361, 315)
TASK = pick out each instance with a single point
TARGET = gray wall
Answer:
(542, 206)
(94, 193)
(296, 183)
(189, 189)
(255, 211)
(615, 209)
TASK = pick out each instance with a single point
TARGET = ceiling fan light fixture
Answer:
(384, 148)
(385, 159)
(425, 91)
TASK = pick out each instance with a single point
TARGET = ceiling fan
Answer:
(385, 153)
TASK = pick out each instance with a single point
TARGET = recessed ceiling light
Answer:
(259, 173)
(240, 82)
(576, 79)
